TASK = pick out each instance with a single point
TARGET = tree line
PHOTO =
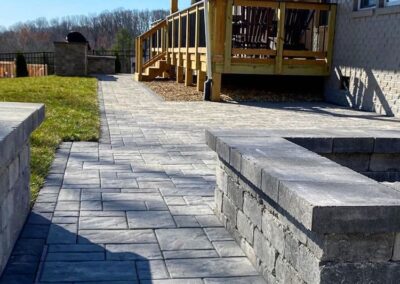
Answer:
(107, 30)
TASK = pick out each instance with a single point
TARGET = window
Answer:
(366, 4)
(392, 2)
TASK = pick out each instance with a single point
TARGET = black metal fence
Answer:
(37, 64)
(42, 63)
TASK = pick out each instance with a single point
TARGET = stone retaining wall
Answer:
(101, 64)
(17, 122)
(300, 217)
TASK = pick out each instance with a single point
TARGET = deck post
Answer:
(188, 77)
(331, 35)
(201, 78)
(228, 36)
(280, 38)
(139, 58)
(174, 6)
(216, 87)
(218, 45)
(179, 74)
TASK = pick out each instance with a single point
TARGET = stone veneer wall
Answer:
(18, 121)
(101, 64)
(70, 59)
(366, 50)
(270, 195)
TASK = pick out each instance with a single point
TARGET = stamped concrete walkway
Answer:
(137, 207)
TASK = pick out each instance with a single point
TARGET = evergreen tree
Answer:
(21, 66)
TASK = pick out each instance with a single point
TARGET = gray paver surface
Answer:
(138, 206)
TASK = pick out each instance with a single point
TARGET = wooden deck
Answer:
(246, 37)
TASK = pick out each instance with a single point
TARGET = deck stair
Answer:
(159, 69)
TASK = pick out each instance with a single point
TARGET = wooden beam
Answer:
(304, 54)
(308, 6)
(201, 78)
(228, 35)
(188, 77)
(331, 35)
(174, 6)
(219, 24)
(179, 74)
(253, 51)
(255, 3)
(267, 61)
(216, 87)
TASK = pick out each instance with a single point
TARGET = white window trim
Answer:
(393, 3)
(367, 8)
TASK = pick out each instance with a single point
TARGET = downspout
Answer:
(208, 83)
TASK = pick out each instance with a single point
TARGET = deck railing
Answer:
(268, 37)
(150, 46)
(246, 37)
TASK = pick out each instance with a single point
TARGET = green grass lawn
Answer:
(72, 114)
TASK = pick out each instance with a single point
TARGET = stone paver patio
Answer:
(138, 206)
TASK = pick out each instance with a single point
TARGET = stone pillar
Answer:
(70, 59)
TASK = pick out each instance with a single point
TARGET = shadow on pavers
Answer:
(65, 257)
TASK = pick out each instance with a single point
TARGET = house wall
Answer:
(367, 49)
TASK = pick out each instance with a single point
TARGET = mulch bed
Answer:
(172, 91)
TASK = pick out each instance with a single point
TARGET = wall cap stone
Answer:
(321, 195)
(17, 122)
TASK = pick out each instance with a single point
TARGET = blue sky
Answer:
(21, 10)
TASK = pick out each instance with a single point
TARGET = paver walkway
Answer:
(138, 205)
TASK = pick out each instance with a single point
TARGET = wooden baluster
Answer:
(188, 70)
(280, 38)
(179, 67)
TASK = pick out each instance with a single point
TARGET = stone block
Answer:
(385, 163)
(273, 231)
(245, 227)
(353, 145)
(317, 145)
(264, 251)
(387, 145)
(235, 193)
(396, 248)
(358, 247)
(229, 209)
(253, 210)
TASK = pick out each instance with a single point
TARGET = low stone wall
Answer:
(302, 218)
(17, 121)
(101, 64)
(70, 59)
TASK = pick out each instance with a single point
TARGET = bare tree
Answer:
(101, 30)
